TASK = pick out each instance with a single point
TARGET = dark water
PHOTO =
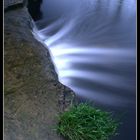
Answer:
(34, 9)
(93, 45)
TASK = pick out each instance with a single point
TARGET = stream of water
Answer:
(93, 47)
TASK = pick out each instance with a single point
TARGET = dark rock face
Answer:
(13, 3)
(33, 97)
(34, 9)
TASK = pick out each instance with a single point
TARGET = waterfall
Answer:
(93, 50)
(93, 47)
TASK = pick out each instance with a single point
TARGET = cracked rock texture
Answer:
(33, 97)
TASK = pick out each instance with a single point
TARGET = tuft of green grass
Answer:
(83, 122)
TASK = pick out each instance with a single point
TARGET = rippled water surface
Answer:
(93, 45)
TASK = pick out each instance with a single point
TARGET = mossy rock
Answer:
(31, 88)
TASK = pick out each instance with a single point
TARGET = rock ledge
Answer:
(33, 96)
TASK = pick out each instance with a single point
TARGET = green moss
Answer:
(83, 122)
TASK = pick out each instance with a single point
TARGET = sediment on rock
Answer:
(33, 96)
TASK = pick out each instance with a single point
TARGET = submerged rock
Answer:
(33, 96)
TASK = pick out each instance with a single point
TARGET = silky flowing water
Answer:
(93, 48)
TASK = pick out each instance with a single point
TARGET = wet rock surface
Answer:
(33, 97)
